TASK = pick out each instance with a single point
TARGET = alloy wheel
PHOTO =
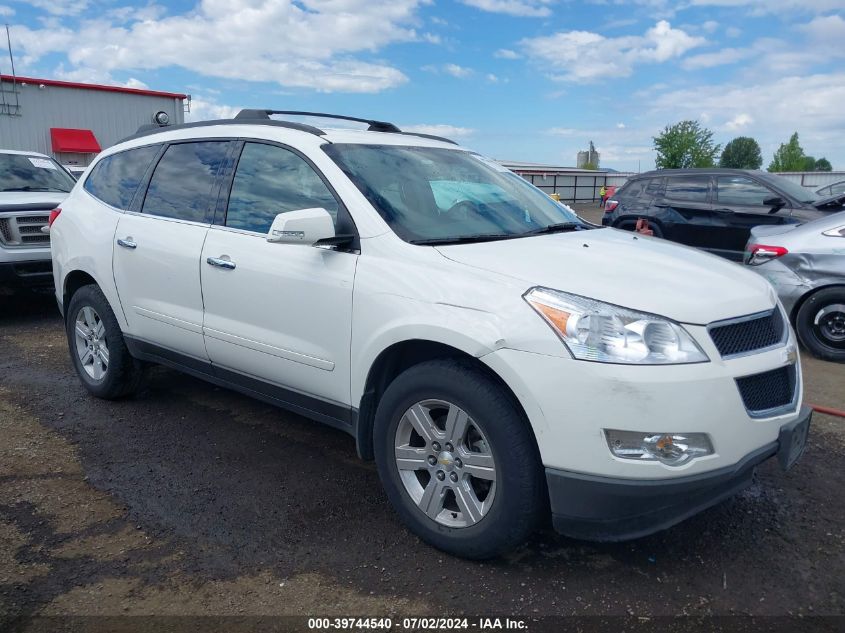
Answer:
(91, 344)
(445, 463)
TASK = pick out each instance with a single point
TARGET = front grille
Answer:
(5, 230)
(748, 334)
(775, 389)
(24, 230)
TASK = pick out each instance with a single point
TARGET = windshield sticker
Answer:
(42, 163)
(490, 163)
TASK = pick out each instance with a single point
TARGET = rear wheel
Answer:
(97, 349)
(820, 324)
(458, 460)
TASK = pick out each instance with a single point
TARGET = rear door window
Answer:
(634, 189)
(115, 179)
(740, 190)
(183, 181)
(688, 188)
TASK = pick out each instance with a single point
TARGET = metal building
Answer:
(73, 121)
(570, 183)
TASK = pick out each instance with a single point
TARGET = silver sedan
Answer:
(806, 265)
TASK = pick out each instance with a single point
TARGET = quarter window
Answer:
(270, 180)
(115, 179)
(740, 190)
(691, 189)
(182, 183)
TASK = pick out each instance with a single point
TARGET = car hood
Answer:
(634, 271)
(19, 200)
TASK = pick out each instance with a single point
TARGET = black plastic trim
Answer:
(599, 508)
(335, 415)
(264, 115)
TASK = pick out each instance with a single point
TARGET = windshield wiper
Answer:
(30, 188)
(465, 239)
(561, 227)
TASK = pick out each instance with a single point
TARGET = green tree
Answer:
(809, 163)
(823, 164)
(742, 153)
(592, 166)
(789, 157)
(685, 144)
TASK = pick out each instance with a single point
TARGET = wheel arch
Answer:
(803, 299)
(395, 359)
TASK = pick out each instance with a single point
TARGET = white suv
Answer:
(495, 354)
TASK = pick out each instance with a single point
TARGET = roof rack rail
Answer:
(262, 117)
(374, 126)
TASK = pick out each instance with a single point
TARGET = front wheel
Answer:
(820, 324)
(458, 460)
(97, 349)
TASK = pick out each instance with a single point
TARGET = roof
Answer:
(540, 168)
(26, 153)
(693, 171)
(73, 84)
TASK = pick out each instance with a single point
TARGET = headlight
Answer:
(672, 449)
(602, 332)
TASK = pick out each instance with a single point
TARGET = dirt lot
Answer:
(190, 499)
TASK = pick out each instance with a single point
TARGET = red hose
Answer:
(828, 410)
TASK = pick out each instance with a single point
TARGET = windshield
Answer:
(431, 194)
(801, 194)
(19, 172)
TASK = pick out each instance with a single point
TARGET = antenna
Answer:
(14, 77)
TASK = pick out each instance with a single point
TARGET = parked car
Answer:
(31, 186)
(468, 331)
(713, 209)
(831, 190)
(806, 265)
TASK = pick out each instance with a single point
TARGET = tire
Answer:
(496, 434)
(99, 353)
(825, 339)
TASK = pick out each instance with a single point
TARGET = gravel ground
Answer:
(190, 499)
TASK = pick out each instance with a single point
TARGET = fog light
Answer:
(672, 449)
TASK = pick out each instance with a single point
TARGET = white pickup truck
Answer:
(31, 186)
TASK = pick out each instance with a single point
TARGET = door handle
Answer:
(126, 242)
(220, 263)
(723, 211)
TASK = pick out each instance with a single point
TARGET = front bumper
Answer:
(26, 274)
(612, 509)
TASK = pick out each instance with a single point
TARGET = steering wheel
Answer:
(463, 208)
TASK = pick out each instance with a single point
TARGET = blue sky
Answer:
(531, 80)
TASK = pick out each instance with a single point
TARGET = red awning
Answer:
(68, 140)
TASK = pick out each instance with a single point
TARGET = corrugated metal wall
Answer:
(112, 116)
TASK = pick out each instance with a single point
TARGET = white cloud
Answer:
(761, 7)
(461, 72)
(827, 31)
(60, 7)
(733, 31)
(132, 82)
(205, 108)
(719, 58)
(6, 11)
(314, 44)
(439, 129)
(505, 53)
(584, 56)
(739, 121)
(522, 8)
(710, 26)
(620, 125)
(493, 79)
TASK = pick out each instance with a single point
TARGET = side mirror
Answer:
(304, 226)
(776, 202)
